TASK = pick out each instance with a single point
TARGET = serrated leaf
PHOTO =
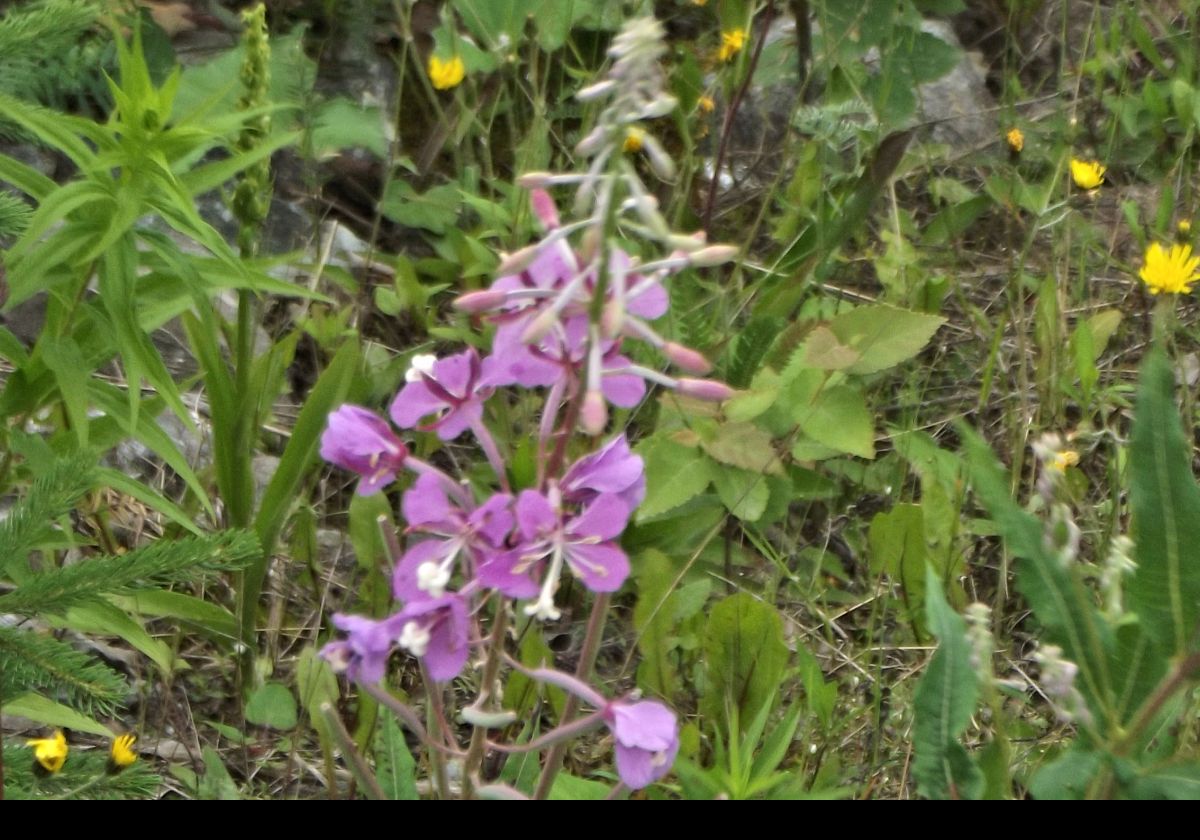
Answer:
(745, 446)
(884, 336)
(747, 405)
(674, 474)
(654, 619)
(744, 493)
(824, 351)
(839, 418)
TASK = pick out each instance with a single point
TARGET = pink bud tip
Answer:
(544, 208)
(705, 389)
(612, 318)
(686, 358)
(483, 301)
(593, 415)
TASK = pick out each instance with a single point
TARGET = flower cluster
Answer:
(565, 311)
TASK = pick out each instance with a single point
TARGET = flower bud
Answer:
(713, 255)
(593, 416)
(686, 358)
(474, 303)
(705, 389)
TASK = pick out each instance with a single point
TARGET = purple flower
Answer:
(647, 737)
(584, 542)
(561, 355)
(426, 568)
(450, 388)
(437, 631)
(359, 440)
(611, 469)
(363, 655)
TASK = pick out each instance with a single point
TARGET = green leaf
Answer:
(747, 405)
(1164, 591)
(824, 351)
(746, 657)
(273, 705)
(674, 474)
(1068, 776)
(743, 445)
(839, 419)
(744, 493)
(216, 783)
(395, 769)
(160, 603)
(45, 711)
(64, 359)
(655, 622)
(897, 541)
(1178, 781)
(883, 336)
(945, 700)
(573, 788)
(102, 618)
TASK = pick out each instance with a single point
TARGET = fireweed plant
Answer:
(565, 309)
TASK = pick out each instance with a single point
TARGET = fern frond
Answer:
(51, 496)
(33, 662)
(14, 215)
(164, 563)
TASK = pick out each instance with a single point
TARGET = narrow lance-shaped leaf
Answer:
(1165, 590)
(945, 700)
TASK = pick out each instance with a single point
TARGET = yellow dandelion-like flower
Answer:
(121, 754)
(1171, 272)
(634, 140)
(1016, 140)
(706, 105)
(731, 44)
(446, 74)
(1184, 226)
(1087, 174)
(1065, 459)
(50, 753)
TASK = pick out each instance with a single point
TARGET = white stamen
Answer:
(414, 638)
(421, 364)
(543, 608)
(432, 578)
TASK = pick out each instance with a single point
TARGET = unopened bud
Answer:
(704, 389)
(483, 301)
(686, 358)
(544, 208)
(713, 255)
(535, 180)
(518, 260)
(612, 318)
(593, 415)
(539, 327)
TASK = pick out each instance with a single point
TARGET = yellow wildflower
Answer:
(1016, 140)
(1087, 174)
(633, 140)
(1172, 272)
(1184, 226)
(1065, 459)
(706, 105)
(446, 74)
(731, 44)
(50, 753)
(121, 753)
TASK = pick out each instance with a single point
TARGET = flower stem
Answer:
(587, 660)
(491, 668)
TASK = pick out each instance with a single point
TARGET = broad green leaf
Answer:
(745, 446)
(824, 351)
(674, 474)
(102, 618)
(745, 494)
(149, 497)
(64, 359)
(747, 405)
(45, 711)
(1179, 781)
(945, 700)
(273, 705)
(573, 788)
(161, 603)
(1069, 775)
(395, 769)
(216, 783)
(883, 336)
(839, 419)
(1164, 591)
(745, 655)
